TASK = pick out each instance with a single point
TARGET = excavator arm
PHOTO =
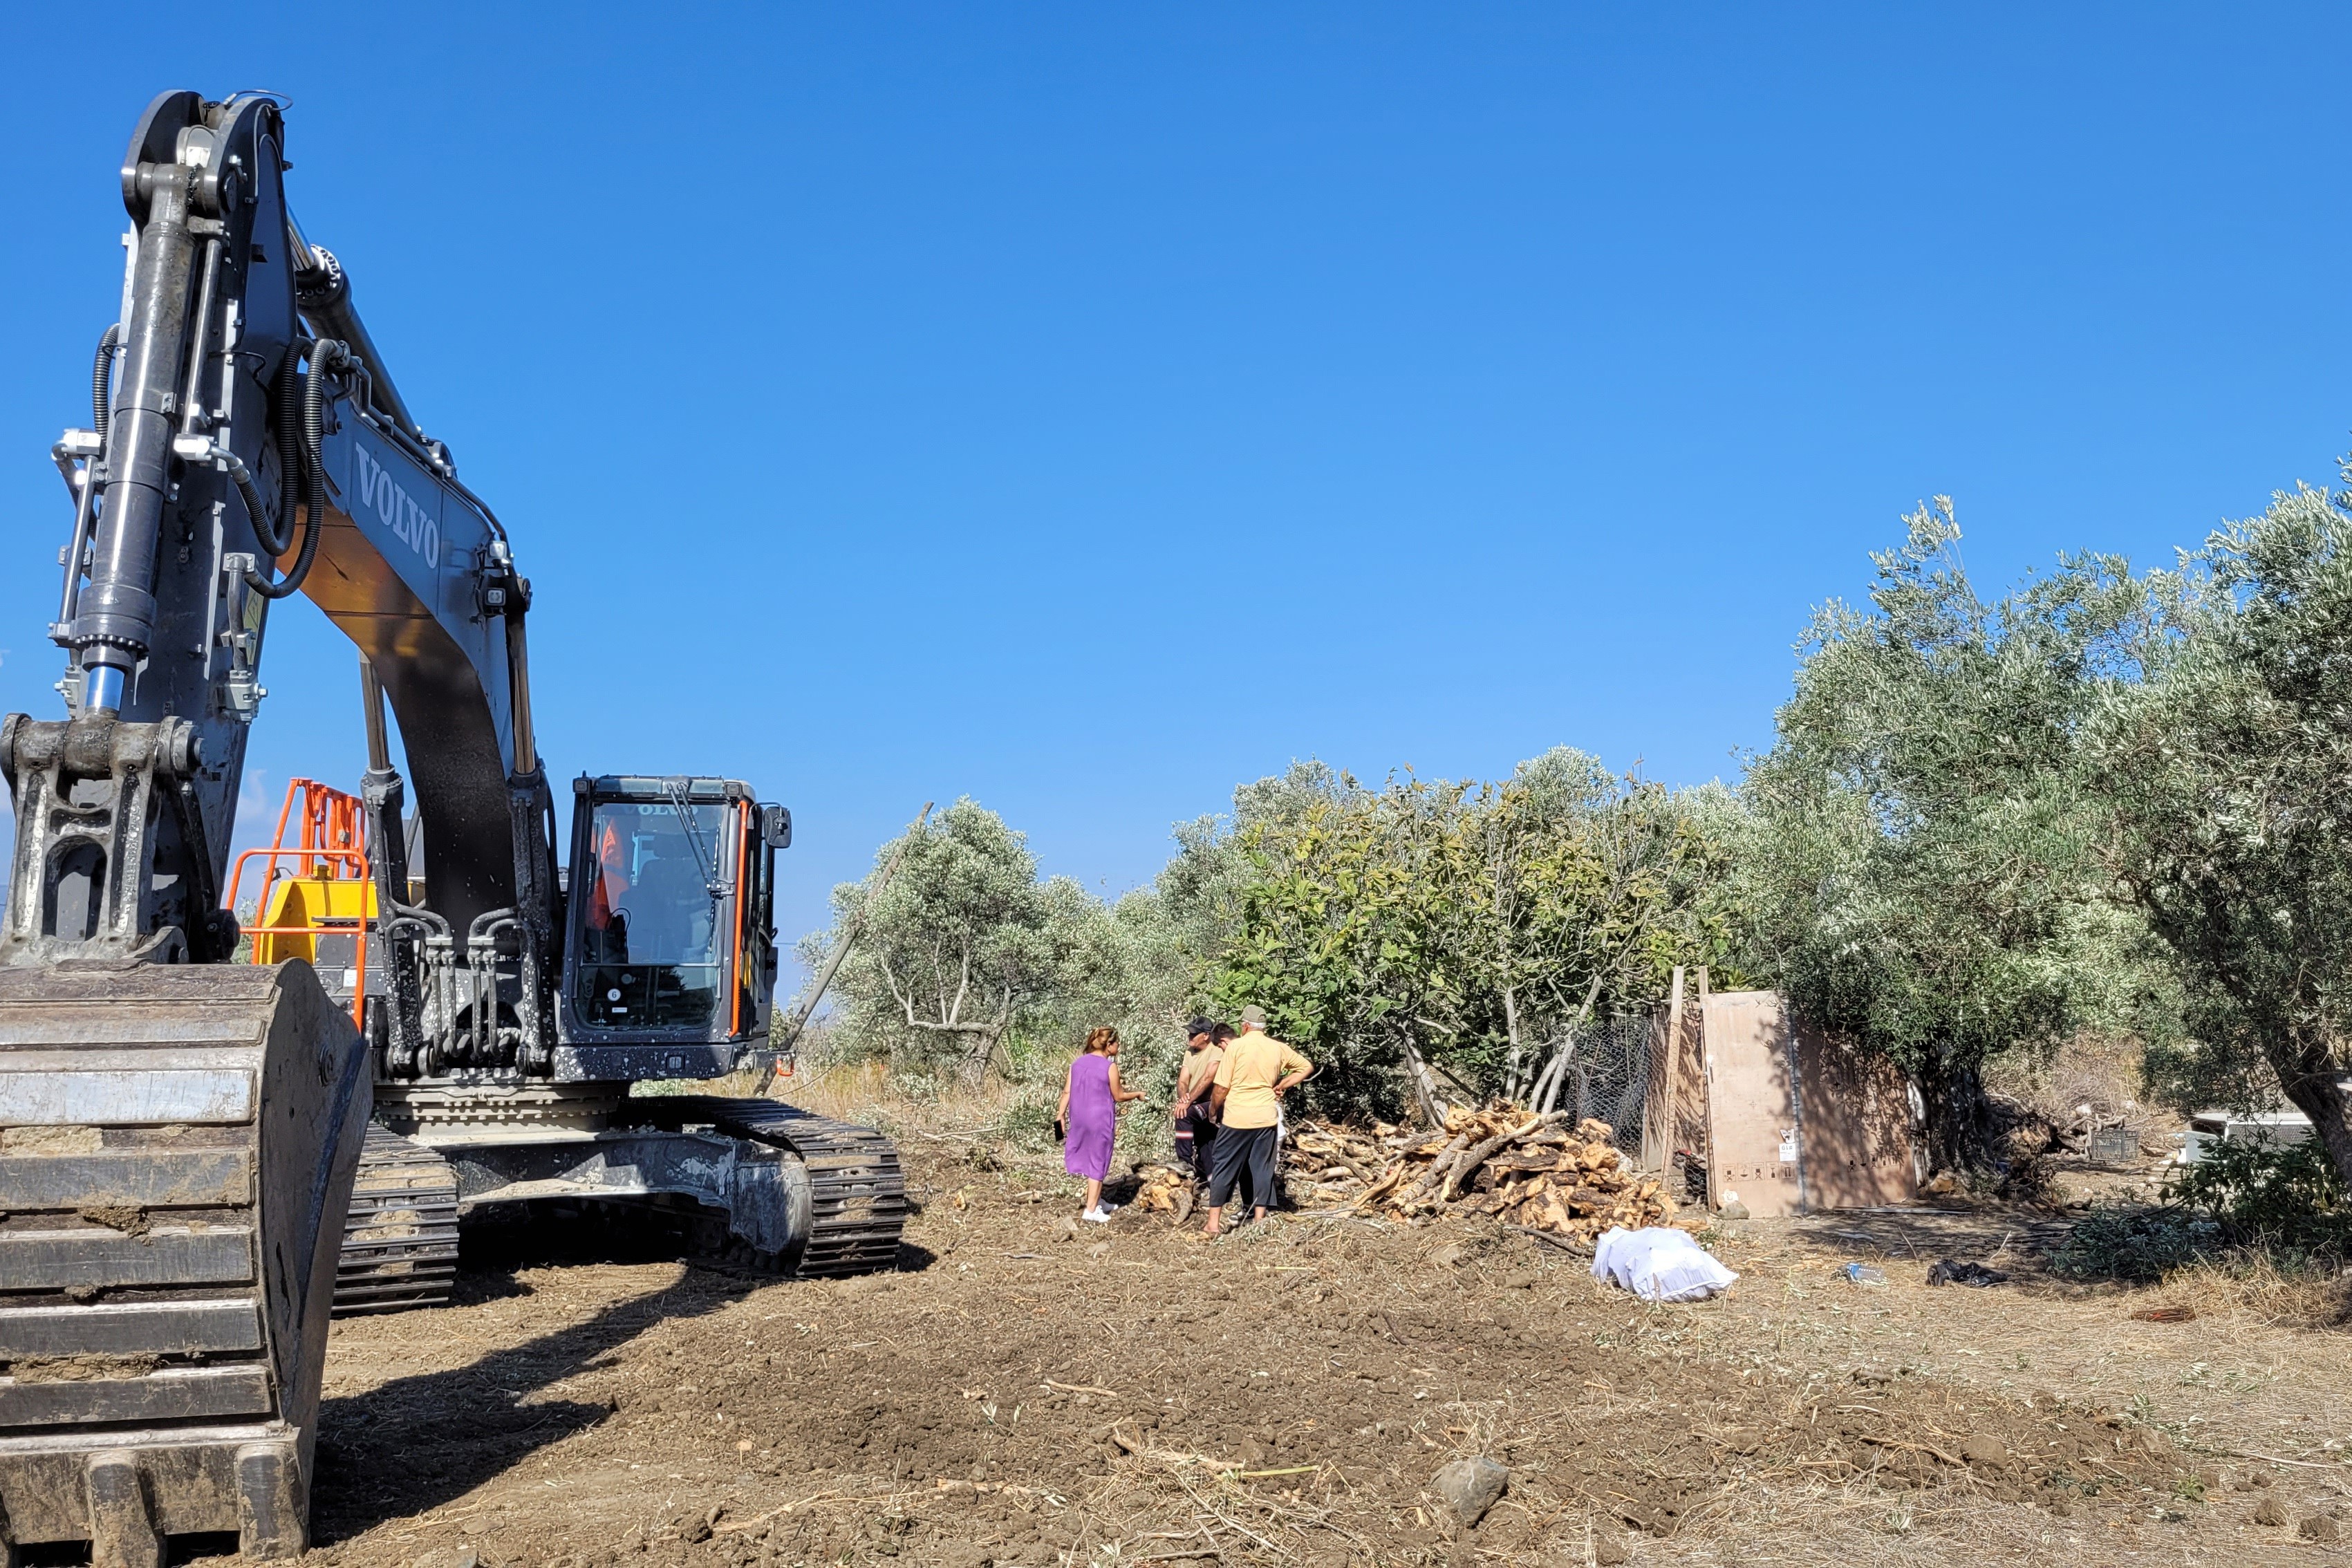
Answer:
(416, 571)
(249, 442)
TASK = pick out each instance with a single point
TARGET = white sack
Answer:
(1659, 1263)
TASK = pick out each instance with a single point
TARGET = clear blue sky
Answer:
(1087, 407)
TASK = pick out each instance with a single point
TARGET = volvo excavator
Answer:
(180, 1134)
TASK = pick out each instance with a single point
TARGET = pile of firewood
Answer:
(1524, 1169)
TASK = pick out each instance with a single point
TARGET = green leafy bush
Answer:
(2242, 1202)
(2287, 1193)
(1028, 1122)
(2139, 1245)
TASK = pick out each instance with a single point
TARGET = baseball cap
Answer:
(1198, 1026)
(1253, 1017)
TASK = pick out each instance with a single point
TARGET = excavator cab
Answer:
(670, 930)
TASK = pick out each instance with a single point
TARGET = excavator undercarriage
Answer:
(787, 1191)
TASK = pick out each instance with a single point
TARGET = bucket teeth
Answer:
(176, 1146)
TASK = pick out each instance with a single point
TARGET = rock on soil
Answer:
(1470, 1487)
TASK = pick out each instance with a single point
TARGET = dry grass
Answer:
(2254, 1285)
(836, 1088)
(867, 1091)
(2262, 1369)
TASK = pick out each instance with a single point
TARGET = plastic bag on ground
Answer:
(1949, 1271)
(1659, 1263)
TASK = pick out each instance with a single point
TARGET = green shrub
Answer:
(2241, 1204)
(2139, 1245)
(2283, 1194)
(1028, 1122)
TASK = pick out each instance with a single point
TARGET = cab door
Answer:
(764, 830)
(671, 923)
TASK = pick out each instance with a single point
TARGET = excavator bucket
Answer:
(176, 1150)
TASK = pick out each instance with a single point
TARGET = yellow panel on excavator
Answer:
(300, 906)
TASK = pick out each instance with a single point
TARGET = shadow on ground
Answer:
(404, 1449)
(2019, 1244)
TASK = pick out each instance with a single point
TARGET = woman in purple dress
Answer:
(1088, 1115)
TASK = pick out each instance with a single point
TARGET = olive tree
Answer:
(1922, 866)
(961, 944)
(2228, 774)
(967, 956)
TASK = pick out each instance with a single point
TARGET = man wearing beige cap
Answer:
(1256, 1071)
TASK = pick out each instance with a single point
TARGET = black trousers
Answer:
(1239, 1151)
(1196, 1138)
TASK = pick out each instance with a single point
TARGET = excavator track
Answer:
(400, 1235)
(176, 1150)
(858, 1193)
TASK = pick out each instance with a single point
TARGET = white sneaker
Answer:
(1096, 1216)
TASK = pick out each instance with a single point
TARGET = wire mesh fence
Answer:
(1608, 1076)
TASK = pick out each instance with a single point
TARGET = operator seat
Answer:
(669, 910)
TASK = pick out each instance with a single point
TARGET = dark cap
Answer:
(1198, 1026)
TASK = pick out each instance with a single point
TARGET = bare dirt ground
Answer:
(1020, 1395)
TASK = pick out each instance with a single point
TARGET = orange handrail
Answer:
(742, 893)
(332, 846)
(353, 855)
(331, 821)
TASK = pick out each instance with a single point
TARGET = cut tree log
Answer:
(1436, 1172)
(1469, 1160)
(1503, 1162)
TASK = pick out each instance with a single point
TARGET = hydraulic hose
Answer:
(324, 357)
(276, 540)
(252, 497)
(101, 373)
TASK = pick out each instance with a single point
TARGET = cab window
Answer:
(650, 924)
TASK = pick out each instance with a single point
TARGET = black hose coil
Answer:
(325, 357)
(101, 373)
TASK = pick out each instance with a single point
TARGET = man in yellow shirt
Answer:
(1251, 1080)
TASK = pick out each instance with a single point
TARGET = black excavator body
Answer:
(190, 1179)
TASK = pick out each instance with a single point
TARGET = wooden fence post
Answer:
(1659, 1124)
(1706, 1097)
